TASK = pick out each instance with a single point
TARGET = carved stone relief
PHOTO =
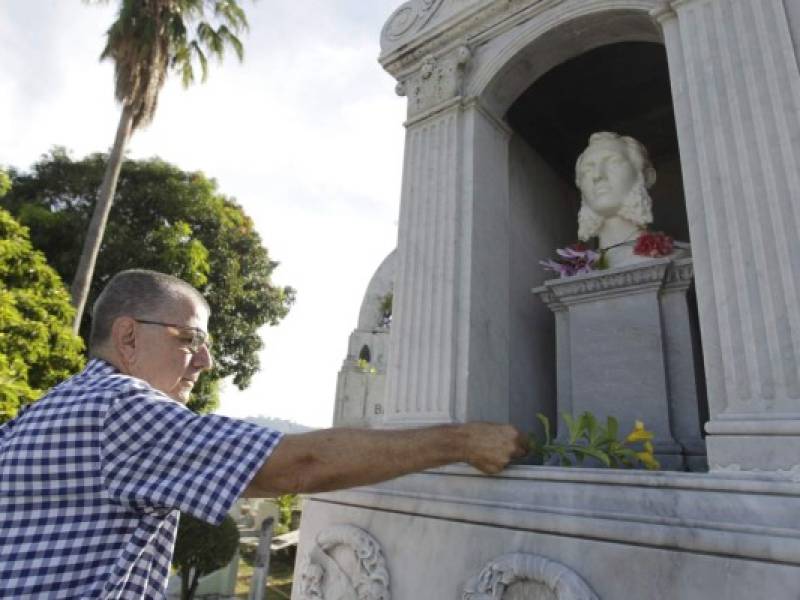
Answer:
(322, 577)
(438, 79)
(407, 20)
(549, 579)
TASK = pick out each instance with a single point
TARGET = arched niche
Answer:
(552, 81)
(512, 62)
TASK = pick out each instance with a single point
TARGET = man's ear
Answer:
(123, 339)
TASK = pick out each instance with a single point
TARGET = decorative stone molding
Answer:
(320, 572)
(673, 274)
(408, 20)
(437, 80)
(581, 288)
(679, 274)
(502, 572)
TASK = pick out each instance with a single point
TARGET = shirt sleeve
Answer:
(157, 454)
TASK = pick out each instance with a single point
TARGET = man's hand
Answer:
(489, 447)
(331, 459)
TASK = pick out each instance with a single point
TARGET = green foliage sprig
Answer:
(286, 504)
(588, 438)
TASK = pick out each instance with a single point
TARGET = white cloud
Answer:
(306, 135)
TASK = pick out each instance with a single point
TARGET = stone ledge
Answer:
(736, 515)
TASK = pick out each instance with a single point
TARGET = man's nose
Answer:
(203, 359)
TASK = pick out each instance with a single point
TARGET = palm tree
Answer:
(149, 38)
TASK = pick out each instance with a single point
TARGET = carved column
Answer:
(736, 89)
(447, 335)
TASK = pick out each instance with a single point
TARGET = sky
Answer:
(306, 134)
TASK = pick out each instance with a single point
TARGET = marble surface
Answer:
(661, 536)
(736, 88)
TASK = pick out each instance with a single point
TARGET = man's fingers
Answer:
(523, 445)
(495, 445)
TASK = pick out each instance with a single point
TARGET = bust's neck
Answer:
(616, 230)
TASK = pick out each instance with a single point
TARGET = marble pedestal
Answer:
(625, 349)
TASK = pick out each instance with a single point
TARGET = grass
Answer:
(279, 584)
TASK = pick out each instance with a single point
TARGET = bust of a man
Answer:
(614, 174)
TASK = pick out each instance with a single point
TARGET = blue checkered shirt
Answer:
(92, 478)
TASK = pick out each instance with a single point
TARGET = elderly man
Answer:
(93, 475)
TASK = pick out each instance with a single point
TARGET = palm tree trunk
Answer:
(97, 226)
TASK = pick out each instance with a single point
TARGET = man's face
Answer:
(163, 357)
(606, 177)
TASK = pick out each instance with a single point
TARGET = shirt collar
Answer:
(99, 367)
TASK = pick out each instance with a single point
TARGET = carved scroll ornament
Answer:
(322, 578)
(407, 20)
(502, 572)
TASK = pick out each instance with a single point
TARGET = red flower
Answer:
(653, 244)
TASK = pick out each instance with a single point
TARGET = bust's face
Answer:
(606, 177)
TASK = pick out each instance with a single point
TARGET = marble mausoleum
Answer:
(502, 97)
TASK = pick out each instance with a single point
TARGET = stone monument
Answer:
(624, 336)
(614, 175)
(502, 96)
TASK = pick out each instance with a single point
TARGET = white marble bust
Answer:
(614, 175)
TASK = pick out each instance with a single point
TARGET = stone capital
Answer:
(437, 79)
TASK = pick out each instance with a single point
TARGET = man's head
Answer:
(152, 326)
(613, 174)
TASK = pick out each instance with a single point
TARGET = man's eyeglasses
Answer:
(194, 337)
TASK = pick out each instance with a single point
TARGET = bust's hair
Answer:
(135, 293)
(637, 206)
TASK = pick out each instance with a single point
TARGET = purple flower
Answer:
(573, 260)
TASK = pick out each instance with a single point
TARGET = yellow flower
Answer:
(639, 434)
(648, 460)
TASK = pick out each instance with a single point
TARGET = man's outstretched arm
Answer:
(332, 459)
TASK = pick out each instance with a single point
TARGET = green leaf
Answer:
(594, 453)
(546, 424)
(573, 426)
(612, 428)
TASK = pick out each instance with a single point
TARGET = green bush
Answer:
(37, 346)
(201, 549)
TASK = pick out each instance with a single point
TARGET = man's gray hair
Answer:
(137, 293)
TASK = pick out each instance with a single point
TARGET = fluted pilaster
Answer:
(736, 89)
(449, 341)
(422, 361)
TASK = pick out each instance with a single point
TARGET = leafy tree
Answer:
(5, 183)
(171, 221)
(37, 346)
(148, 38)
(201, 549)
